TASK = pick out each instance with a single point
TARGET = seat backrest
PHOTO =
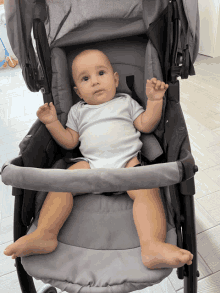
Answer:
(127, 56)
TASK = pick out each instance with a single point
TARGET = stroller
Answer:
(98, 247)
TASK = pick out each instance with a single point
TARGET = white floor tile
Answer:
(208, 247)
(204, 185)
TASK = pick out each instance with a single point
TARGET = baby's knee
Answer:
(133, 162)
(84, 165)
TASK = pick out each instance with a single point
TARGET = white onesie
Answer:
(106, 131)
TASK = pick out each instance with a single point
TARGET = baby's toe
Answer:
(183, 251)
(14, 256)
(187, 257)
(8, 251)
(190, 259)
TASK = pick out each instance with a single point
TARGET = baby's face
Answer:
(92, 72)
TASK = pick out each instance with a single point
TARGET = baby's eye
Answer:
(87, 76)
(84, 77)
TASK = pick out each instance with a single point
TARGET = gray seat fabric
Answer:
(81, 269)
(80, 13)
(98, 247)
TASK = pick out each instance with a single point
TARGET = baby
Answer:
(108, 125)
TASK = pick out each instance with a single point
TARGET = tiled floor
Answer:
(200, 101)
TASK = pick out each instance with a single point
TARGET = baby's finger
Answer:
(162, 85)
(43, 107)
(158, 85)
(154, 80)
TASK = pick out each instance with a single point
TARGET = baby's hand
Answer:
(47, 113)
(155, 89)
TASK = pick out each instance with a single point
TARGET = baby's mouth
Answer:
(99, 91)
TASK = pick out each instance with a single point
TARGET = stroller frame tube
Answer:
(186, 188)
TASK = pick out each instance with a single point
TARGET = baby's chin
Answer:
(98, 101)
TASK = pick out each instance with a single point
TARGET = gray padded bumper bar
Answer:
(93, 180)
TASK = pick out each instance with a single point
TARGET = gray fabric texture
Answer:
(96, 273)
(95, 180)
(130, 21)
(105, 238)
(81, 12)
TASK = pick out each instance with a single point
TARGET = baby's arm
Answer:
(66, 138)
(148, 120)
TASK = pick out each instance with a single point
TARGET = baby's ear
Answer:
(116, 75)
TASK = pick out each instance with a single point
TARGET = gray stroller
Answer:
(98, 246)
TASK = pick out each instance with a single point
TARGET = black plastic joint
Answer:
(187, 171)
(195, 169)
(3, 167)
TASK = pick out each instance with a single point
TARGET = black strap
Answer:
(130, 84)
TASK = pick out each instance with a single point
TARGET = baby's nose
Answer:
(95, 80)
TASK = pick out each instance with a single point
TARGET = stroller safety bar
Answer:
(93, 180)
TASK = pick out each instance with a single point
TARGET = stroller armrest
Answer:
(16, 161)
(3, 167)
(93, 180)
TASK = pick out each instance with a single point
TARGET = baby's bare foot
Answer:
(34, 243)
(164, 255)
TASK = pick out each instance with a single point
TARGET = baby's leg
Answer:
(54, 212)
(150, 222)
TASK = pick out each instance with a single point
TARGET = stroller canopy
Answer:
(73, 17)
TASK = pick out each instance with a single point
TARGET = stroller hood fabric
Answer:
(64, 17)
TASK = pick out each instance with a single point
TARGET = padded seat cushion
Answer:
(98, 247)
